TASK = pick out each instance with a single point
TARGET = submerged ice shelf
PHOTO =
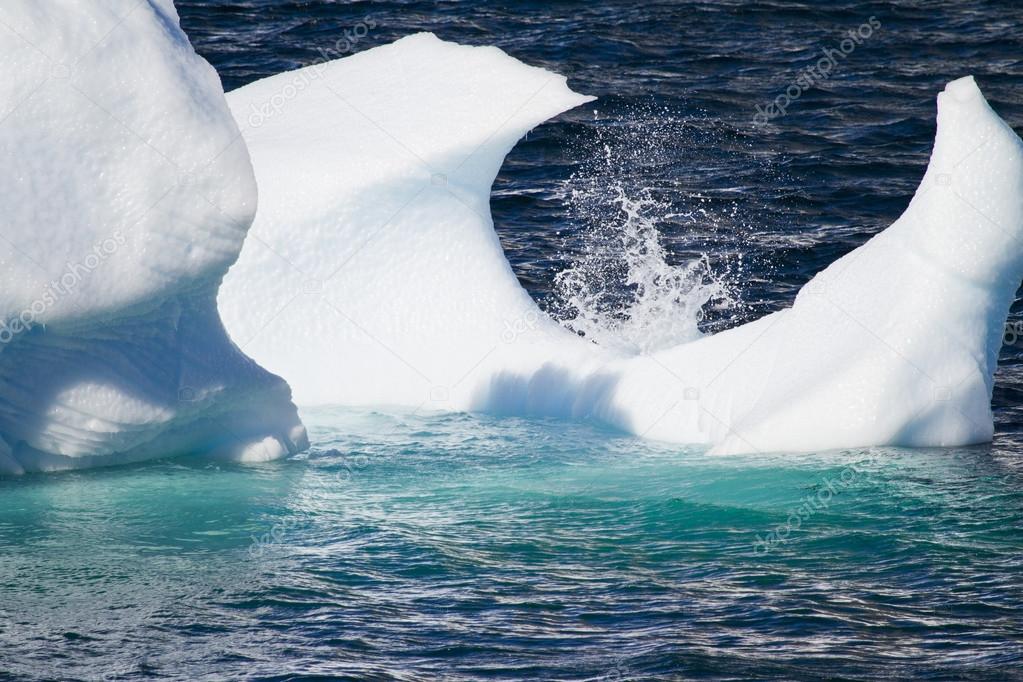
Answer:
(377, 277)
(128, 198)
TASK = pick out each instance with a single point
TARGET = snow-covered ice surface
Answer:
(127, 194)
(373, 274)
(895, 343)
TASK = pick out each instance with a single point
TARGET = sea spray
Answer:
(623, 288)
(623, 293)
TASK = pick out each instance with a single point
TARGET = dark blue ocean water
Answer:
(464, 547)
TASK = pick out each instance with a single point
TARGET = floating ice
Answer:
(896, 342)
(373, 273)
(127, 194)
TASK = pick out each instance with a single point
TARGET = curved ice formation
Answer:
(373, 273)
(127, 195)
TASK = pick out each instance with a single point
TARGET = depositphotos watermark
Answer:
(303, 78)
(816, 73)
(74, 273)
(812, 504)
(1012, 333)
(278, 533)
(513, 329)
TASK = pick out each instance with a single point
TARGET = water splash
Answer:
(659, 304)
(622, 288)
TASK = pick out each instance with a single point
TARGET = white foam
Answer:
(127, 196)
(622, 252)
(374, 276)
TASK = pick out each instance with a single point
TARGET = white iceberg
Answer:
(127, 195)
(373, 275)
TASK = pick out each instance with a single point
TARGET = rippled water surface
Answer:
(462, 547)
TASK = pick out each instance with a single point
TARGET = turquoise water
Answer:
(409, 546)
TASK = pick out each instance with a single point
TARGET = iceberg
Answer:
(373, 275)
(128, 194)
